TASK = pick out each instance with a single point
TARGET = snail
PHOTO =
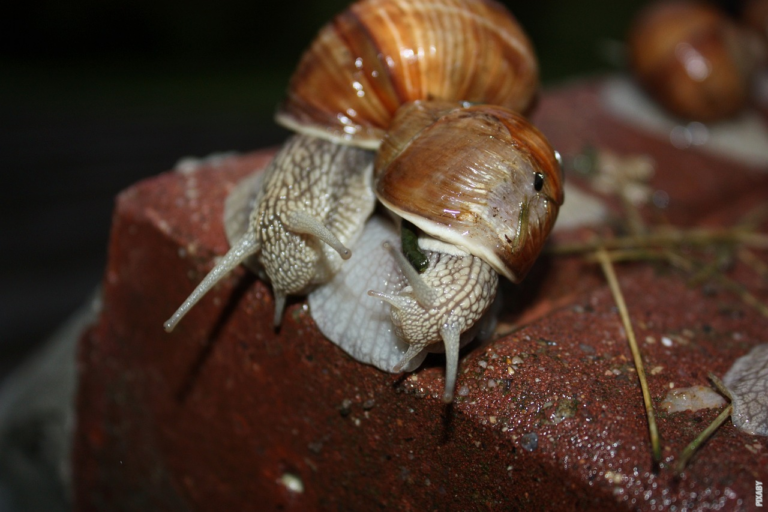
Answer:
(295, 226)
(693, 60)
(755, 15)
(292, 225)
(410, 74)
(484, 188)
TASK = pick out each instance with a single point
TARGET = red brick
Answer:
(212, 416)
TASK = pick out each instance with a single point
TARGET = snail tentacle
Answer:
(280, 299)
(451, 334)
(246, 247)
(422, 292)
(412, 352)
(302, 222)
(393, 300)
(523, 228)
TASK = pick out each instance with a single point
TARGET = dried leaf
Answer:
(747, 381)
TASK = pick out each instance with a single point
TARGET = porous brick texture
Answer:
(226, 413)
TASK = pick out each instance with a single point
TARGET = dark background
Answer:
(96, 95)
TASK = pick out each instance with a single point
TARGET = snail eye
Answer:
(538, 181)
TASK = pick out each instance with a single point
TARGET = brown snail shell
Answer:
(755, 16)
(380, 54)
(479, 177)
(692, 59)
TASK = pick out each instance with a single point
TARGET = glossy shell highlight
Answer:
(380, 54)
(467, 175)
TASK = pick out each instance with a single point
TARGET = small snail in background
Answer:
(693, 60)
(484, 187)
(755, 16)
(294, 225)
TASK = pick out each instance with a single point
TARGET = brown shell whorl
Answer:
(755, 15)
(692, 59)
(466, 175)
(380, 54)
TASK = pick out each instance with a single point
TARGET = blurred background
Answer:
(97, 95)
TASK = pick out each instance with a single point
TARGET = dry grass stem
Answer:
(688, 250)
(755, 217)
(707, 271)
(719, 385)
(686, 264)
(667, 239)
(699, 441)
(694, 446)
(748, 257)
(622, 255)
(745, 296)
(701, 273)
(618, 297)
(634, 220)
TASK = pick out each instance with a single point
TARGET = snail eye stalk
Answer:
(538, 181)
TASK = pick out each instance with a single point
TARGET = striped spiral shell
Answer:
(379, 54)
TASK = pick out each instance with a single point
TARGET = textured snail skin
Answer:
(464, 287)
(692, 59)
(380, 54)
(309, 180)
(466, 175)
(397, 337)
(332, 183)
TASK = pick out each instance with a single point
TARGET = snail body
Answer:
(382, 314)
(294, 223)
(366, 63)
(484, 187)
(441, 304)
(693, 60)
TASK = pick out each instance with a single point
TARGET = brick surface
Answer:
(227, 414)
